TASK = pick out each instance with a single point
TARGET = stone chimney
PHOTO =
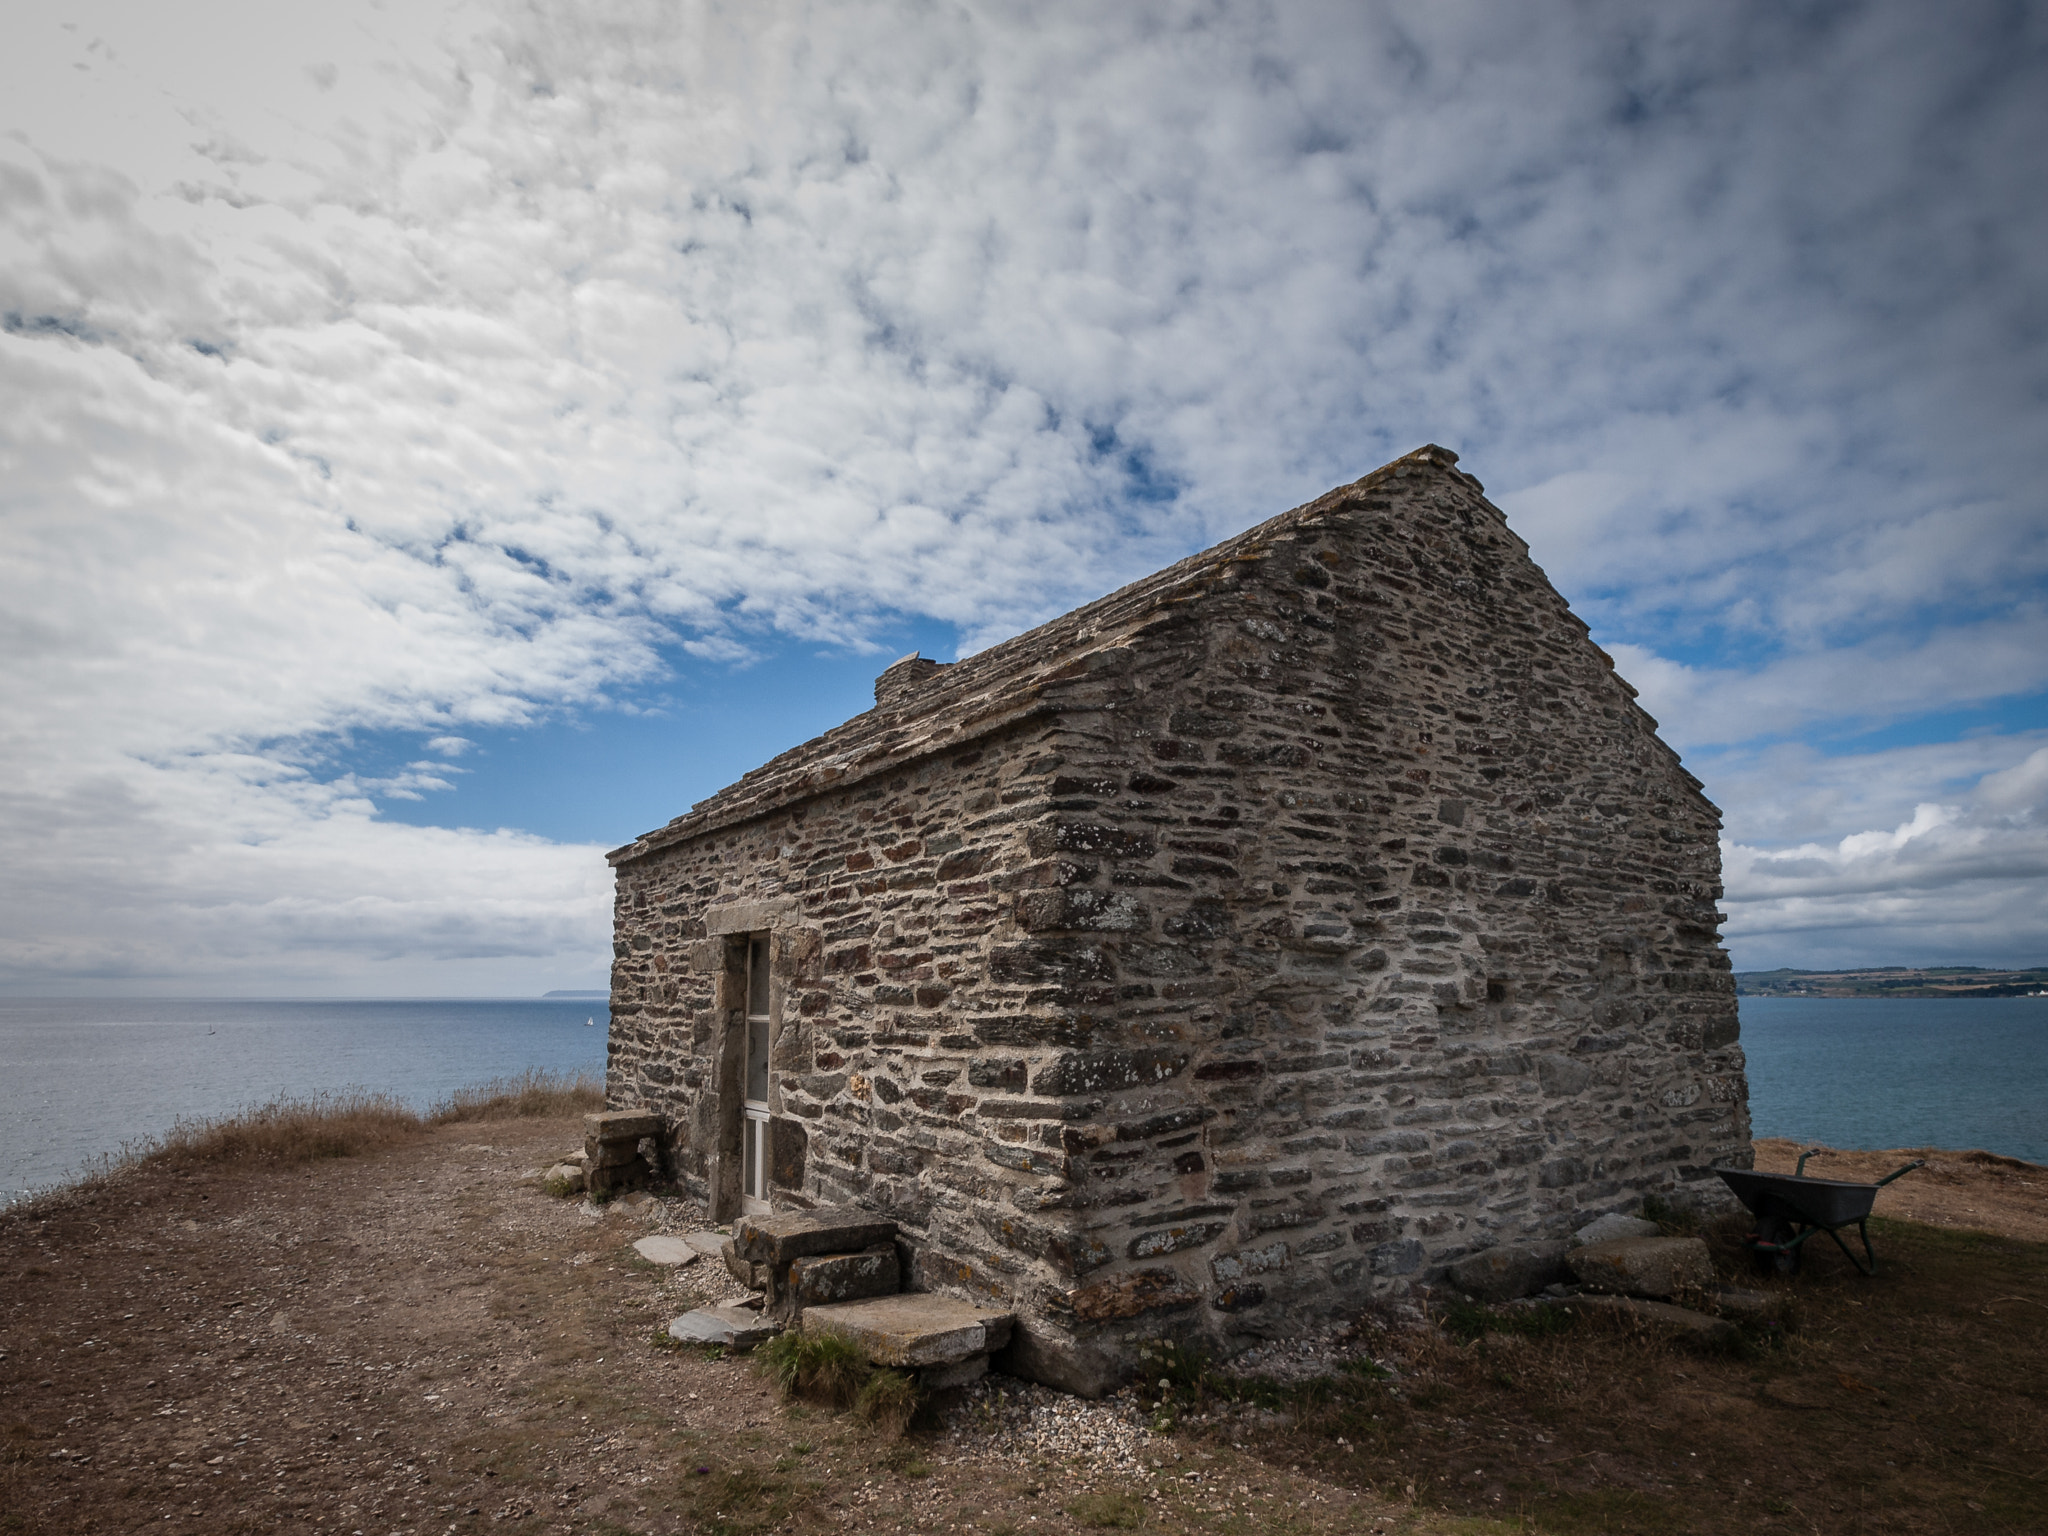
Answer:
(901, 679)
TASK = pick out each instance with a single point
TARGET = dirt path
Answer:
(419, 1341)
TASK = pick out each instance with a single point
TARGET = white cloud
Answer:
(430, 369)
(1958, 881)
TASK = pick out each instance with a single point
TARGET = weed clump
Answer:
(1469, 1320)
(1111, 1511)
(829, 1369)
(821, 1366)
(886, 1403)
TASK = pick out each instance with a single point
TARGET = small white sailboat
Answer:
(590, 1023)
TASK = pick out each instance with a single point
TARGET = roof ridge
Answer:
(886, 735)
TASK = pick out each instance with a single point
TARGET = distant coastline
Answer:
(576, 994)
(1895, 981)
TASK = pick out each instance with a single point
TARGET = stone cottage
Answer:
(1269, 934)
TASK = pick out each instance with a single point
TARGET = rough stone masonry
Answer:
(1267, 935)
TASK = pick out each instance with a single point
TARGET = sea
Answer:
(1954, 1072)
(79, 1080)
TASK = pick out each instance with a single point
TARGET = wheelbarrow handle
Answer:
(1918, 1162)
(1800, 1171)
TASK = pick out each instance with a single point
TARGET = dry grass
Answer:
(1913, 1403)
(533, 1095)
(289, 1130)
(318, 1127)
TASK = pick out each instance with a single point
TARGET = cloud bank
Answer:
(439, 372)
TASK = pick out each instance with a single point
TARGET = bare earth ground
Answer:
(419, 1341)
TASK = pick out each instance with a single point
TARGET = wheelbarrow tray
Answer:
(1795, 1197)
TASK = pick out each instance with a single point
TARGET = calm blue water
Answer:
(80, 1078)
(1901, 1072)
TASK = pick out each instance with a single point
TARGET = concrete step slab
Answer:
(664, 1249)
(739, 1329)
(914, 1331)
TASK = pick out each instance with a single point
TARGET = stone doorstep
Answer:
(664, 1249)
(913, 1330)
(739, 1329)
(781, 1239)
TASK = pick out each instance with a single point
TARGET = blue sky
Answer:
(438, 443)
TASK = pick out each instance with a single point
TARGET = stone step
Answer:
(620, 1125)
(835, 1277)
(914, 1331)
(779, 1240)
(710, 1244)
(738, 1328)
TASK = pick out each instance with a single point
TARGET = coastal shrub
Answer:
(289, 1130)
(534, 1094)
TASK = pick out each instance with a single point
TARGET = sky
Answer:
(440, 441)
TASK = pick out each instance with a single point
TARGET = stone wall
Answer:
(1274, 932)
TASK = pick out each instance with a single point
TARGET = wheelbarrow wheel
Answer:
(1770, 1254)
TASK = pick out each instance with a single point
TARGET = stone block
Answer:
(834, 1277)
(780, 1240)
(1644, 1266)
(913, 1331)
(739, 1329)
(1739, 1303)
(937, 1378)
(1614, 1225)
(666, 1250)
(1681, 1322)
(1040, 1353)
(627, 1125)
(752, 1276)
(1509, 1270)
(567, 1178)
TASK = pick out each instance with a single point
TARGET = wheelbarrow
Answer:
(1789, 1208)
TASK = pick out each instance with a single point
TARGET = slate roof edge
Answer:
(873, 742)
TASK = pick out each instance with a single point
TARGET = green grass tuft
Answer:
(886, 1403)
(821, 1366)
(1112, 1511)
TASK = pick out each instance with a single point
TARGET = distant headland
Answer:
(1895, 981)
(576, 994)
